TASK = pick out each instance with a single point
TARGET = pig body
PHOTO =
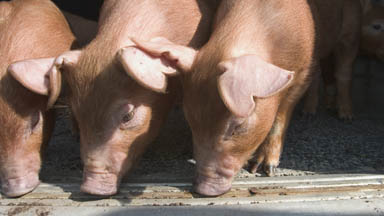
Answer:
(28, 29)
(241, 87)
(116, 116)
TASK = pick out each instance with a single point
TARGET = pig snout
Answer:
(102, 172)
(18, 186)
(100, 183)
(211, 187)
(215, 177)
(19, 174)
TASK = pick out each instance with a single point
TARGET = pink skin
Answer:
(105, 165)
(25, 131)
(214, 175)
(219, 158)
(26, 125)
(117, 117)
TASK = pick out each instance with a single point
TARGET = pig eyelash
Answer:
(127, 119)
(235, 128)
(130, 116)
(239, 129)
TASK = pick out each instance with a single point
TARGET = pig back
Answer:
(185, 22)
(32, 29)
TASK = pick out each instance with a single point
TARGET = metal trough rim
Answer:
(244, 191)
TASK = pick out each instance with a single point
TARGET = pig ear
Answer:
(149, 63)
(33, 74)
(42, 76)
(247, 77)
(66, 59)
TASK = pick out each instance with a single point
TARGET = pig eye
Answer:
(126, 120)
(127, 117)
(237, 127)
(376, 26)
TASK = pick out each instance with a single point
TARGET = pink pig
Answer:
(116, 116)
(241, 87)
(28, 29)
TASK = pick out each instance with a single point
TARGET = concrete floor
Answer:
(367, 207)
(351, 194)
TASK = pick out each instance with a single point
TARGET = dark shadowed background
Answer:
(85, 8)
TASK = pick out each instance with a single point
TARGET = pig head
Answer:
(28, 29)
(227, 123)
(372, 38)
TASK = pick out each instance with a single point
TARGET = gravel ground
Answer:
(320, 145)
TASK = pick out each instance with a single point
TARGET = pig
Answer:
(371, 45)
(116, 116)
(28, 29)
(240, 88)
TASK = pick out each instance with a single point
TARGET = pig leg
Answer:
(269, 152)
(311, 99)
(345, 53)
(328, 74)
(344, 58)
